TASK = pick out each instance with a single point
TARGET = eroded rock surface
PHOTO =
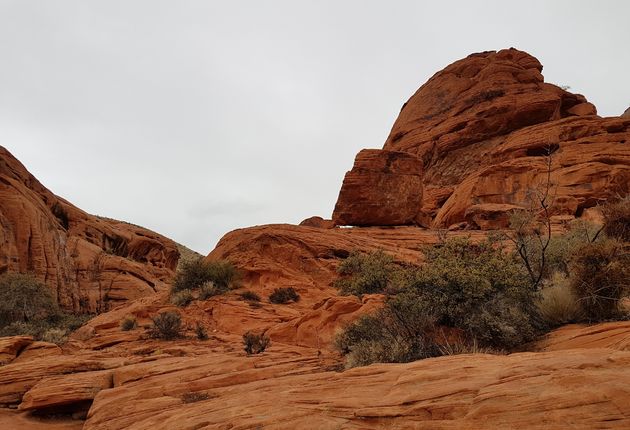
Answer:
(483, 128)
(89, 262)
(109, 379)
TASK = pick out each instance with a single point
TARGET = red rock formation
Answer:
(482, 127)
(317, 221)
(383, 188)
(87, 261)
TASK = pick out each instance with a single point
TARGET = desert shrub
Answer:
(617, 219)
(194, 397)
(600, 274)
(55, 335)
(182, 298)
(558, 303)
(446, 347)
(166, 325)
(23, 299)
(255, 343)
(128, 323)
(208, 289)
(480, 289)
(477, 289)
(195, 273)
(201, 332)
(250, 296)
(367, 273)
(402, 331)
(20, 328)
(284, 295)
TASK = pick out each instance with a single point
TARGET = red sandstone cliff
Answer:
(88, 261)
(480, 130)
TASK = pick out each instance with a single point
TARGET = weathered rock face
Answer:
(110, 379)
(87, 261)
(383, 188)
(482, 128)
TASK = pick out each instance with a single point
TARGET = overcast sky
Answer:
(194, 118)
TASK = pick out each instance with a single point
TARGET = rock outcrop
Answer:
(484, 128)
(463, 153)
(88, 262)
(383, 188)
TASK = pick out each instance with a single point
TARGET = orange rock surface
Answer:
(90, 263)
(463, 152)
(482, 128)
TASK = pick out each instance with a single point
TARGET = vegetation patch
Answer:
(28, 308)
(194, 397)
(167, 326)
(255, 343)
(197, 272)
(284, 295)
(201, 332)
(182, 298)
(128, 323)
(250, 296)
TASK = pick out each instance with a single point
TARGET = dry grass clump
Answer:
(558, 304)
(128, 323)
(182, 298)
(194, 397)
(284, 295)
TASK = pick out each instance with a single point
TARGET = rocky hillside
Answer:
(90, 263)
(471, 142)
(465, 149)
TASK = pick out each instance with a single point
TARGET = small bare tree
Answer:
(531, 228)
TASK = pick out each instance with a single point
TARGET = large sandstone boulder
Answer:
(88, 262)
(383, 188)
(483, 129)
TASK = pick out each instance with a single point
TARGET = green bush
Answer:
(617, 219)
(402, 331)
(474, 288)
(480, 289)
(182, 298)
(368, 273)
(284, 295)
(600, 274)
(128, 323)
(24, 299)
(195, 273)
(166, 325)
(254, 343)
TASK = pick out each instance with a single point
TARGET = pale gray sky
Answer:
(193, 118)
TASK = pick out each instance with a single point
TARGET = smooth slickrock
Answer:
(38, 349)
(482, 128)
(89, 262)
(17, 378)
(58, 391)
(614, 335)
(526, 390)
(383, 188)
